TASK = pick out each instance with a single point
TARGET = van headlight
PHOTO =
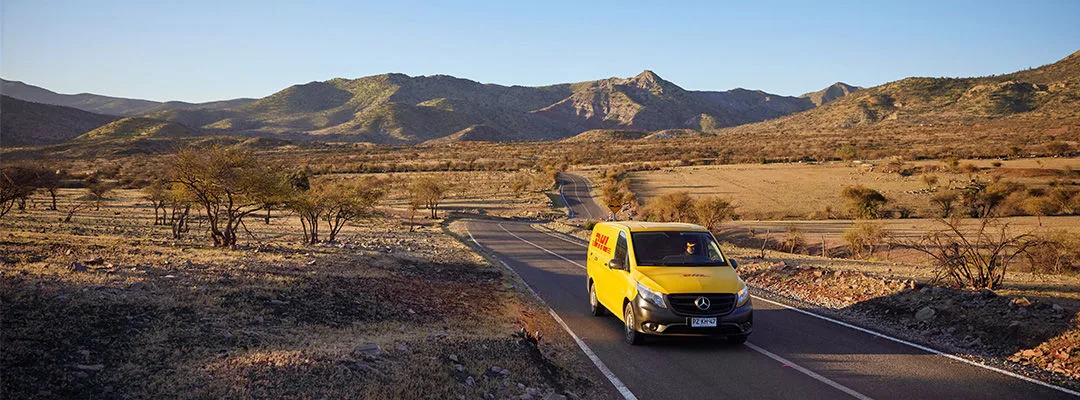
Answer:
(742, 296)
(651, 296)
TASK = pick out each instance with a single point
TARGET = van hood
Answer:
(672, 280)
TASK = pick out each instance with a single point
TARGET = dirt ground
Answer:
(802, 190)
(110, 306)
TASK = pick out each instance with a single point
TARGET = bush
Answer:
(865, 236)
(864, 202)
(670, 207)
(1054, 252)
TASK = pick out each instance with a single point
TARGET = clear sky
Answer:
(209, 50)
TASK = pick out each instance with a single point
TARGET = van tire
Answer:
(736, 339)
(630, 333)
(595, 308)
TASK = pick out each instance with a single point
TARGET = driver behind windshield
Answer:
(676, 248)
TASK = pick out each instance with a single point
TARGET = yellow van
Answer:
(666, 279)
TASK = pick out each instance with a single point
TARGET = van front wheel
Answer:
(595, 308)
(632, 336)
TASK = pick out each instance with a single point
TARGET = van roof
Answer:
(640, 226)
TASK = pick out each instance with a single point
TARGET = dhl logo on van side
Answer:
(601, 242)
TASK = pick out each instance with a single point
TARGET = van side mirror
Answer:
(616, 263)
(733, 262)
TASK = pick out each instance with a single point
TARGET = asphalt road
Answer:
(790, 355)
(577, 195)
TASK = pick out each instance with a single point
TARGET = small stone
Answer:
(411, 311)
(369, 349)
(401, 347)
(1057, 308)
(453, 357)
(95, 367)
(1021, 302)
(78, 267)
(554, 396)
(94, 261)
(470, 381)
(925, 314)
(459, 367)
(188, 263)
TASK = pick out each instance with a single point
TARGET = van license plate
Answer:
(703, 322)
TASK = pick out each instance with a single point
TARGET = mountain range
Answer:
(400, 109)
(440, 109)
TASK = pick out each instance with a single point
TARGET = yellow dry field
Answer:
(799, 191)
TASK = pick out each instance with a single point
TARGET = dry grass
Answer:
(272, 318)
(801, 190)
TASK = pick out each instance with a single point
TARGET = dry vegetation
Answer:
(109, 304)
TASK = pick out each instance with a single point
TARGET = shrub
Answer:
(712, 211)
(865, 236)
(670, 207)
(864, 202)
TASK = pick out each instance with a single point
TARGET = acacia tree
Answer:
(157, 193)
(335, 205)
(712, 211)
(228, 184)
(430, 191)
(350, 202)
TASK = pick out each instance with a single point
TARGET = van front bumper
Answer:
(655, 320)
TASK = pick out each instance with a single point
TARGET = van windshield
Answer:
(677, 249)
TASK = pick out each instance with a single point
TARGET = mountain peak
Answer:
(647, 76)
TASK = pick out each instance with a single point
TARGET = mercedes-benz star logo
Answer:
(702, 303)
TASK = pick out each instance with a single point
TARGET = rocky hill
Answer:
(27, 123)
(137, 127)
(396, 108)
(1045, 94)
(833, 92)
(103, 104)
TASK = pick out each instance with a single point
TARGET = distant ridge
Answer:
(24, 123)
(103, 104)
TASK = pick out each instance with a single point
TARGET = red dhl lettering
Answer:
(600, 242)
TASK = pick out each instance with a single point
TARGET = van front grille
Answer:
(686, 304)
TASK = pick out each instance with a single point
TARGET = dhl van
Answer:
(666, 279)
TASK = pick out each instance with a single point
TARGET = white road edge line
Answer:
(897, 340)
(615, 381)
(923, 348)
(808, 372)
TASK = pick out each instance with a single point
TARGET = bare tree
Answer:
(976, 257)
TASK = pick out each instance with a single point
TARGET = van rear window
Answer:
(677, 249)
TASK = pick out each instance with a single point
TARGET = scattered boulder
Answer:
(925, 314)
(78, 267)
(1021, 302)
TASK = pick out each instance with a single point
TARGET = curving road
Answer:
(791, 355)
(578, 197)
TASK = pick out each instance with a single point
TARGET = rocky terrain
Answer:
(110, 306)
(396, 108)
(1040, 336)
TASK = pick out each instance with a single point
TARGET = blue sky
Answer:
(210, 50)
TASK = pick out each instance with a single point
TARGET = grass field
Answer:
(802, 190)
